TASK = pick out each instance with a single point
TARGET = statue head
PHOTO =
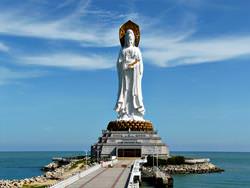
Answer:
(129, 38)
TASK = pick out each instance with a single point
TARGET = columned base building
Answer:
(129, 139)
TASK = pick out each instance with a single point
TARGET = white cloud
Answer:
(72, 61)
(73, 26)
(3, 47)
(56, 30)
(7, 75)
(181, 50)
(163, 48)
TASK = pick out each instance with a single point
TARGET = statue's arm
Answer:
(127, 62)
(141, 62)
(137, 61)
(132, 62)
(119, 66)
(119, 72)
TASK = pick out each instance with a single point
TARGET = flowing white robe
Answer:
(129, 105)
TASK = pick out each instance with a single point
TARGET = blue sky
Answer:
(58, 81)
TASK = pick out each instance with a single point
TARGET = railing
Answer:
(135, 174)
(76, 177)
(82, 174)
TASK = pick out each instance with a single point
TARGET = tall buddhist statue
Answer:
(129, 105)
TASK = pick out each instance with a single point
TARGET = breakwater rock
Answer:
(187, 168)
(20, 183)
(191, 168)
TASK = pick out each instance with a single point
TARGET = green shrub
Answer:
(153, 160)
(176, 160)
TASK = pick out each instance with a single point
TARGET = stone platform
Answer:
(131, 142)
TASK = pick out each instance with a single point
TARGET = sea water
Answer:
(235, 164)
(19, 165)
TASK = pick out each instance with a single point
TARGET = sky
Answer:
(58, 80)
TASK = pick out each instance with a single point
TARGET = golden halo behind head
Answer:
(134, 27)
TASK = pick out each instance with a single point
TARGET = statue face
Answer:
(130, 38)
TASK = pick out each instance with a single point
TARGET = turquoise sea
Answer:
(18, 165)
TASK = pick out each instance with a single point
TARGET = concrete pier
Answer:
(106, 177)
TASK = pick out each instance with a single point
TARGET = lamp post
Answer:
(153, 158)
(157, 159)
(86, 154)
(97, 155)
(155, 152)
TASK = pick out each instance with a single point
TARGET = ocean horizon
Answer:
(26, 164)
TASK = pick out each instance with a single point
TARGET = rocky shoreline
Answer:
(53, 172)
(38, 180)
(184, 169)
(191, 168)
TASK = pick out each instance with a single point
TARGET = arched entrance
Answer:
(129, 152)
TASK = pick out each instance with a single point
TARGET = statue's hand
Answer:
(131, 65)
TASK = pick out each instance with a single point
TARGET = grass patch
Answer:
(77, 163)
(34, 186)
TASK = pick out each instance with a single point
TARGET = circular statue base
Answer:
(131, 125)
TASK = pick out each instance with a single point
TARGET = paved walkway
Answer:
(115, 177)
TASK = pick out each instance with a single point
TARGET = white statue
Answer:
(129, 105)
